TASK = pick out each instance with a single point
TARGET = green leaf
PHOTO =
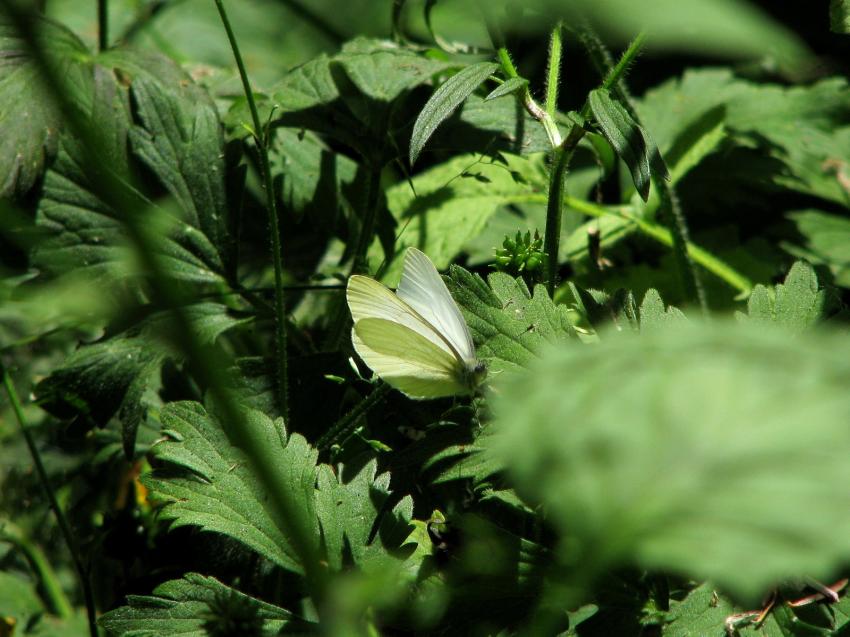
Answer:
(31, 121)
(444, 101)
(450, 204)
(182, 144)
(825, 241)
(509, 86)
(630, 141)
(348, 506)
(214, 487)
(182, 607)
(796, 305)
(111, 376)
(510, 326)
(716, 451)
(802, 129)
(839, 16)
(654, 316)
(85, 234)
(702, 612)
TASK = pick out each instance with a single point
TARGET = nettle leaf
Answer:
(313, 175)
(655, 316)
(509, 325)
(86, 234)
(796, 305)
(444, 101)
(206, 482)
(27, 110)
(826, 241)
(111, 376)
(803, 130)
(629, 139)
(702, 612)
(351, 97)
(184, 606)
(450, 204)
(348, 507)
(184, 148)
(210, 484)
(716, 451)
(599, 308)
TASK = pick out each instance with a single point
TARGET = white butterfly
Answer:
(416, 340)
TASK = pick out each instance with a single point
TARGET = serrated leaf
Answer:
(509, 325)
(182, 607)
(348, 507)
(444, 101)
(450, 204)
(655, 316)
(795, 305)
(800, 132)
(702, 612)
(630, 141)
(111, 376)
(86, 234)
(509, 86)
(31, 121)
(717, 451)
(215, 488)
(182, 144)
(600, 308)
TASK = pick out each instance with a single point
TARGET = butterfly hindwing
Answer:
(406, 359)
(422, 287)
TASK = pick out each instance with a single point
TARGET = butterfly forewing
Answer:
(424, 290)
(407, 360)
(369, 299)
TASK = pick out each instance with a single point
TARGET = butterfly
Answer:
(415, 340)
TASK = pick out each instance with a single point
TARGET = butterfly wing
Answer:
(406, 359)
(369, 299)
(422, 288)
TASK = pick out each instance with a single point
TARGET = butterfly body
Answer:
(416, 340)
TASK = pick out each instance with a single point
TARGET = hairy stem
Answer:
(102, 24)
(554, 71)
(345, 425)
(281, 349)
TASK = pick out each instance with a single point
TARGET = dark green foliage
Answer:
(636, 461)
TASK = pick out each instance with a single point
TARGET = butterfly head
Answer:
(474, 374)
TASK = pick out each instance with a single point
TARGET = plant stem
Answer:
(102, 24)
(281, 349)
(345, 425)
(554, 71)
(64, 527)
(370, 215)
(39, 563)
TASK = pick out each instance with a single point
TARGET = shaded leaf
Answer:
(655, 316)
(839, 16)
(31, 120)
(182, 607)
(509, 86)
(444, 101)
(211, 485)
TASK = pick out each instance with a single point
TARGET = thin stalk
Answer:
(64, 527)
(207, 363)
(281, 349)
(102, 24)
(554, 71)
(49, 581)
(370, 215)
(345, 425)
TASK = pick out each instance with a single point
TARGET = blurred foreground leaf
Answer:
(714, 451)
